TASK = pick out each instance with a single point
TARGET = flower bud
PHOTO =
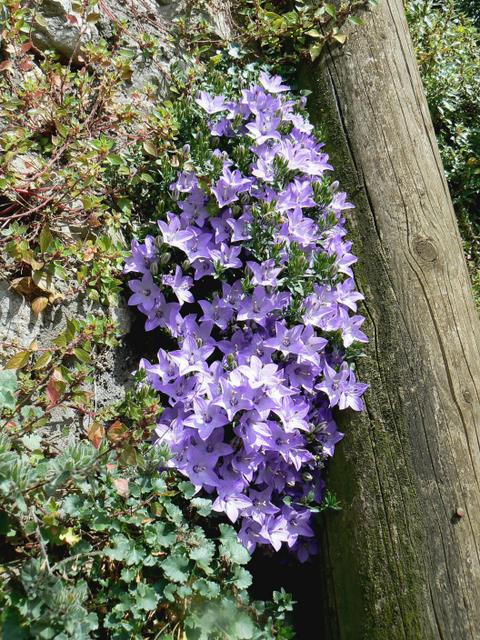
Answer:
(158, 242)
(154, 268)
(165, 257)
(185, 265)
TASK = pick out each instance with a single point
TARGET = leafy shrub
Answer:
(447, 44)
(290, 31)
(471, 8)
(99, 540)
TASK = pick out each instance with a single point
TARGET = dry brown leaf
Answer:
(39, 304)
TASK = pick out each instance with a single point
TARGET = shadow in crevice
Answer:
(271, 572)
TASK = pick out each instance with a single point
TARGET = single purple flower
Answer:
(145, 292)
(272, 83)
(211, 104)
(180, 284)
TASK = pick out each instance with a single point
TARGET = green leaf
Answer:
(124, 550)
(8, 387)
(330, 9)
(146, 597)
(204, 553)
(230, 548)
(187, 489)
(40, 20)
(93, 17)
(45, 239)
(355, 20)
(315, 50)
(32, 441)
(82, 355)
(156, 535)
(242, 578)
(206, 588)
(42, 360)
(243, 628)
(175, 567)
(150, 148)
(18, 361)
(202, 505)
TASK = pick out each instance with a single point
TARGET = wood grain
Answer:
(401, 562)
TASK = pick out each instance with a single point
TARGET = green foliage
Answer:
(447, 44)
(300, 29)
(98, 544)
(79, 163)
(284, 31)
(471, 8)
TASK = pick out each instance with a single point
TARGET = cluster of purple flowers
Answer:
(259, 362)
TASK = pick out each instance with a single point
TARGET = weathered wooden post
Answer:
(402, 558)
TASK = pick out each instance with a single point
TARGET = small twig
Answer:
(40, 540)
(99, 552)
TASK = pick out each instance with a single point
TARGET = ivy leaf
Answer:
(243, 628)
(187, 488)
(206, 588)
(203, 554)
(124, 550)
(156, 536)
(73, 505)
(70, 537)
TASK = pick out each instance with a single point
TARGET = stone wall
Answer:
(59, 27)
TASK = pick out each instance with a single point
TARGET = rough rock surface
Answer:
(58, 27)
(20, 326)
